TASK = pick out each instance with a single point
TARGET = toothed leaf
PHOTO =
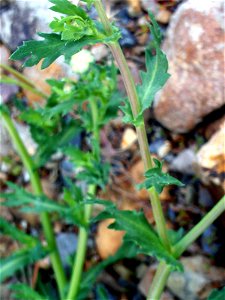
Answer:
(140, 232)
(156, 70)
(156, 178)
(49, 49)
(67, 8)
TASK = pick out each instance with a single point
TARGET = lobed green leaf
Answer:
(67, 8)
(156, 178)
(28, 202)
(140, 232)
(49, 49)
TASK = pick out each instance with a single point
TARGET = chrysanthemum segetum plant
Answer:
(72, 31)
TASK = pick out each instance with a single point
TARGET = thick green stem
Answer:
(21, 81)
(164, 270)
(141, 131)
(37, 189)
(159, 281)
(80, 253)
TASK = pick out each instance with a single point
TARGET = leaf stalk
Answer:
(164, 270)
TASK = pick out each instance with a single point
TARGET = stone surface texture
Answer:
(211, 159)
(195, 50)
(20, 20)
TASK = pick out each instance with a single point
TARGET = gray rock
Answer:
(22, 19)
(184, 162)
(67, 244)
(187, 285)
(150, 5)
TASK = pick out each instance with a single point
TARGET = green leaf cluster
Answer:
(23, 291)
(54, 126)
(71, 210)
(70, 34)
(90, 169)
(30, 252)
(156, 178)
(127, 250)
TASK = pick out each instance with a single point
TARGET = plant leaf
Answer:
(156, 70)
(23, 291)
(8, 229)
(37, 204)
(128, 115)
(49, 49)
(140, 232)
(54, 143)
(20, 259)
(157, 179)
(217, 294)
(127, 250)
(67, 8)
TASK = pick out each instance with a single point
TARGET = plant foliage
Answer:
(74, 31)
(140, 232)
(156, 178)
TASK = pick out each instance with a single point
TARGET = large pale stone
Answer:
(195, 50)
(211, 159)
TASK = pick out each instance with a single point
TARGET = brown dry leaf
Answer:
(39, 77)
(108, 240)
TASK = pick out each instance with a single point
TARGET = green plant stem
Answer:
(164, 270)
(37, 189)
(199, 228)
(83, 232)
(94, 112)
(21, 81)
(80, 252)
(159, 281)
(141, 131)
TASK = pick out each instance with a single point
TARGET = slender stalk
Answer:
(17, 75)
(164, 270)
(83, 232)
(80, 253)
(37, 189)
(20, 80)
(94, 112)
(199, 228)
(159, 281)
(141, 131)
